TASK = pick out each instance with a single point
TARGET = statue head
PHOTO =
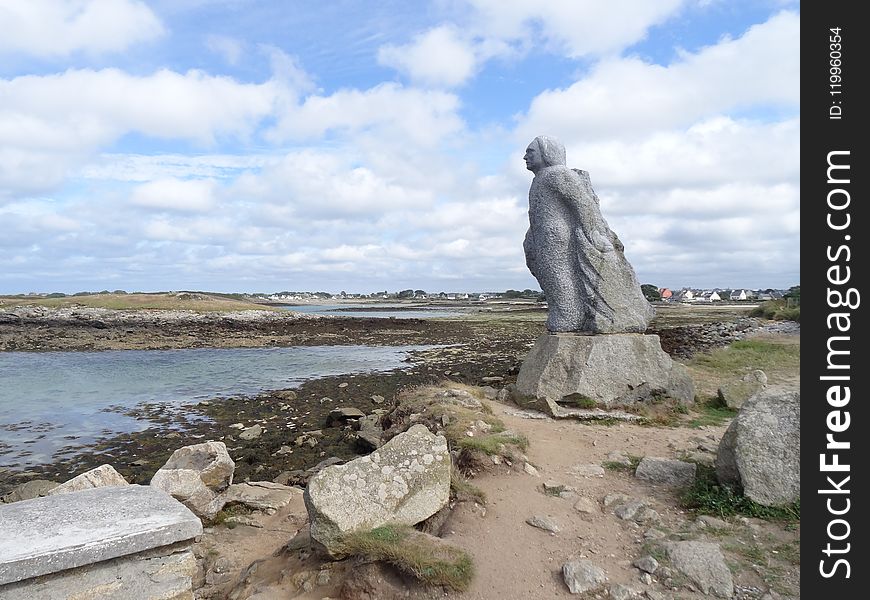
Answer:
(544, 151)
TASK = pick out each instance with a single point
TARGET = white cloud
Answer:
(402, 115)
(626, 97)
(195, 195)
(574, 27)
(58, 28)
(228, 48)
(438, 57)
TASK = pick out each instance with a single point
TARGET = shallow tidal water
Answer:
(55, 400)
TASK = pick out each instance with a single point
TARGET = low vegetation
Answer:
(777, 310)
(194, 301)
(710, 412)
(708, 496)
(431, 561)
(472, 430)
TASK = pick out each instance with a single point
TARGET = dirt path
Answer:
(515, 561)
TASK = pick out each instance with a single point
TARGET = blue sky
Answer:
(241, 145)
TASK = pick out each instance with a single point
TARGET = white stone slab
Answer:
(51, 534)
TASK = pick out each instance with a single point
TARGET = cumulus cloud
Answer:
(438, 57)
(175, 195)
(574, 27)
(58, 28)
(627, 96)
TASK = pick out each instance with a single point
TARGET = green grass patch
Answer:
(790, 552)
(429, 560)
(708, 496)
(492, 444)
(744, 355)
(710, 412)
(613, 465)
(578, 400)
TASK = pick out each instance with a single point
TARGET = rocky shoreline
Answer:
(475, 351)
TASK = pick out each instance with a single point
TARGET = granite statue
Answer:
(577, 259)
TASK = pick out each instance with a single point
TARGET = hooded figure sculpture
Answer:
(571, 251)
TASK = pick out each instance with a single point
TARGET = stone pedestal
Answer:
(616, 369)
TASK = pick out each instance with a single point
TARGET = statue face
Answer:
(533, 158)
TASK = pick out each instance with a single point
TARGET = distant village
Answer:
(685, 295)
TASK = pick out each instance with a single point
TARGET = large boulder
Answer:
(761, 449)
(616, 369)
(195, 475)
(733, 394)
(102, 476)
(404, 482)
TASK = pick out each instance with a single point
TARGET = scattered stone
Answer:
(462, 398)
(654, 534)
(713, 522)
(195, 474)
(611, 499)
(624, 592)
(258, 495)
(554, 488)
(647, 516)
(628, 510)
(760, 451)
(370, 432)
(492, 379)
(239, 426)
(288, 395)
(251, 433)
(619, 457)
(102, 476)
(704, 565)
(586, 505)
(378, 399)
(647, 564)
(582, 576)
(734, 394)
(340, 416)
(342, 385)
(246, 520)
(587, 470)
(666, 471)
(35, 488)
(489, 393)
(528, 468)
(646, 578)
(654, 595)
(405, 481)
(542, 522)
(284, 450)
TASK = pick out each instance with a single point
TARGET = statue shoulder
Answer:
(561, 180)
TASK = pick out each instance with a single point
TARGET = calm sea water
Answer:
(49, 400)
(347, 310)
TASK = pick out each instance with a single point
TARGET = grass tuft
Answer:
(708, 496)
(426, 558)
(710, 412)
(493, 444)
(463, 490)
(612, 465)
